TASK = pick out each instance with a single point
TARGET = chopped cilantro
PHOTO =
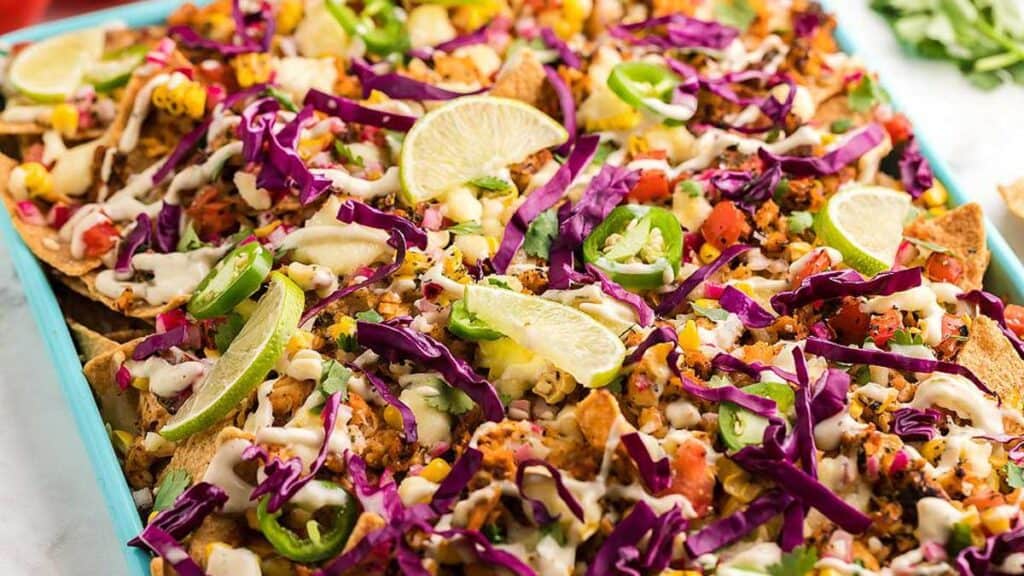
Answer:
(491, 183)
(800, 221)
(494, 533)
(334, 378)
(540, 234)
(959, 538)
(189, 240)
(797, 562)
(173, 484)
(736, 13)
(866, 94)
(450, 400)
(1014, 475)
(369, 316)
(556, 531)
(603, 150)
(471, 227)
(499, 282)
(346, 154)
(691, 188)
(841, 126)
(781, 190)
(905, 338)
(711, 313)
(282, 98)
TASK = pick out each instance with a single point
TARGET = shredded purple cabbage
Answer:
(540, 511)
(284, 167)
(568, 106)
(915, 172)
(730, 529)
(168, 228)
(137, 239)
(839, 283)
(916, 425)
(659, 335)
(990, 305)
(408, 418)
(728, 363)
(986, 560)
(829, 396)
(193, 39)
(350, 111)
(749, 311)
(455, 482)
(850, 150)
(676, 31)
(676, 297)
(644, 313)
(187, 512)
(257, 120)
(620, 553)
(400, 87)
(803, 430)
(168, 548)
(184, 146)
(747, 190)
(565, 54)
(542, 199)
(656, 475)
(155, 343)
(400, 344)
(366, 215)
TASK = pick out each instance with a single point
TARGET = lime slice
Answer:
(468, 138)
(569, 339)
(246, 362)
(51, 70)
(115, 69)
(865, 224)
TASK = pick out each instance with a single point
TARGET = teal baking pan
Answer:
(1005, 277)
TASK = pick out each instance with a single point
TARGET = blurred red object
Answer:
(65, 8)
(16, 14)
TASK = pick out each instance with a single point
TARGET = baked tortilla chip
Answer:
(962, 232)
(193, 454)
(989, 354)
(43, 241)
(118, 407)
(89, 342)
(86, 286)
(1013, 195)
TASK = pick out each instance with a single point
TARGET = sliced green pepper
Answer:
(467, 326)
(637, 246)
(740, 427)
(232, 280)
(317, 545)
(643, 85)
(379, 24)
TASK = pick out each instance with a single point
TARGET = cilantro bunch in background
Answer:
(985, 38)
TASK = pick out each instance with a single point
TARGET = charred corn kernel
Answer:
(122, 440)
(251, 69)
(453, 267)
(623, 121)
(827, 138)
(475, 15)
(176, 99)
(140, 383)
(436, 470)
(344, 326)
(689, 338)
(194, 101)
(377, 97)
(309, 147)
(938, 210)
(161, 96)
(38, 180)
(971, 517)
(64, 119)
(706, 303)
(414, 261)
(828, 572)
(637, 145)
(393, 417)
(302, 340)
(708, 253)
(289, 14)
(932, 449)
(997, 520)
(798, 250)
(492, 244)
(744, 287)
(266, 229)
(935, 196)
(575, 13)
(856, 408)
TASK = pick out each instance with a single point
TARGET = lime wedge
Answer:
(865, 224)
(115, 69)
(569, 339)
(51, 70)
(468, 138)
(246, 362)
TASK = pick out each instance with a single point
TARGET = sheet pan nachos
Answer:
(535, 287)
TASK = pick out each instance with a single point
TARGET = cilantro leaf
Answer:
(711, 313)
(470, 227)
(798, 562)
(691, 188)
(540, 234)
(189, 240)
(346, 154)
(799, 221)
(173, 484)
(369, 316)
(905, 338)
(491, 183)
(450, 400)
(1014, 475)
(283, 98)
(603, 150)
(334, 378)
(736, 13)
(929, 246)
(866, 94)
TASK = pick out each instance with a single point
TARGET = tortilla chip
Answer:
(1013, 195)
(86, 286)
(193, 454)
(118, 407)
(523, 80)
(90, 343)
(962, 231)
(989, 354)
(43, 241)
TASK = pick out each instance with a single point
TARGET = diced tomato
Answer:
(817, 264)
(952, 331)
(984, 497)
(899, 128)
(99, 239)
(942, 267)
(652, 185)
(850, 323)
(884, 325)
(692, 477)
(725, 225)
(1015, 319)
(651, 155)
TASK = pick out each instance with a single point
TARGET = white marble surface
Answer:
(52, 518)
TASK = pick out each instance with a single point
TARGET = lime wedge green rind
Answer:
(865, 224)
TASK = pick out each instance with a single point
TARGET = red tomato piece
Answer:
(818, 263)
(652, 185)
(899, 128)
(1015, 319)
(849, 323)
(692, 477)
(99, 239)
(725, 225)
(942, 267)
(884, 325)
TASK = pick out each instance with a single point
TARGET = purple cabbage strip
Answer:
(168, 226)
(644, 313)
(487, 554)
(730, 529)
(915, 172)
(679, 32)
(659, 335)
(193, 39)
(620, 552)
(728, 363)
(540, 512)
(676, 297)
(366, 215)
(850, 150)
(839, 283)
(850, 355)
(187, 512)
(990, 305)
(257, 120)
(397, 241)
(804, 428)
(137, 239)
(184, 146)
(456, 481)
(408, 418)
(568, 106)
(350, 111)
(986, 560)
(284, 167)
(916, 425)
(155, 343)
(168, 548)
(748, 310)
(656, 475)
(748, 191)
(400, 87)
(400, 344)
(284, 478)
(806, 24)
(829, 395)
(552, 41)
(542, 199)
